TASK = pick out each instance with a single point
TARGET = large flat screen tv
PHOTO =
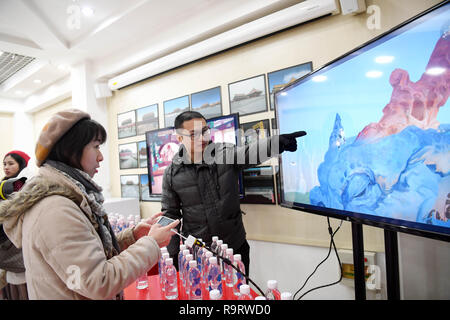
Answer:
(162, 145)
(378, 122)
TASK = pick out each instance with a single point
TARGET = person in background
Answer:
(201, 184)
(11, 260)
(69, 248)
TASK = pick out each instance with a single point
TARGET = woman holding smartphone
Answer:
(69, 248)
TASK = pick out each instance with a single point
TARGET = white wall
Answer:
(424, 268)
(291, 265)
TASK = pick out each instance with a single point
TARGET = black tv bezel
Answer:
(404, 226)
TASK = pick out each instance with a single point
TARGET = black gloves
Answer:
(288, 142)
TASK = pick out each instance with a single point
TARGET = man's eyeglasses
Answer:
(195, 135)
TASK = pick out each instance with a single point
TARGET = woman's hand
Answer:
(143, 228)
(162, 235)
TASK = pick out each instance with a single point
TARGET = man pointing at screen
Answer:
(201, 184)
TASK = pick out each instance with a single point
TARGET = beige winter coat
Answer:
(63, 254)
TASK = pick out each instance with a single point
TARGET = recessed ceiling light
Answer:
(435, 71)
(87, 11)
(319, 78)
(18, 92)
(37, 81)
(374, 74)
(384, 59)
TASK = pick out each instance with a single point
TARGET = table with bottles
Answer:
(203, 275)
(154, 292)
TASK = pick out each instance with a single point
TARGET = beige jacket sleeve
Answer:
(68, 241)
(125, 238)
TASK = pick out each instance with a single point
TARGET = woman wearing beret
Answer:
(69, 248)
(11, 261)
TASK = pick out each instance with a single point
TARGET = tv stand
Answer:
(392, 269)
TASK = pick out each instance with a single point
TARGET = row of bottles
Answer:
(119, 223)
(203, 276)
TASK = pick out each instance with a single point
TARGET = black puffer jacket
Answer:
(206, 196)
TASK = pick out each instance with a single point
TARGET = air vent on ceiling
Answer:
(10, 63)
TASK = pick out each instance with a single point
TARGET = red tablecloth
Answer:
(154, 292)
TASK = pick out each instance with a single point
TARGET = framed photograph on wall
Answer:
(142, 154)
(129, 186)
(259, 185)
(174, 107)
(279, 79)
(207, 102)
(248, 96)
(126, 124)
(255, 130)
(147, 119)
(144, 187)
(128, 158)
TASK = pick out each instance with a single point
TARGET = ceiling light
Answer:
(435, 71)
(374, 74)
(384, 59)
(37, 81)
(18, 92)
(87, 11)
(319, 78)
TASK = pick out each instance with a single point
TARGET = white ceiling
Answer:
(119, 36)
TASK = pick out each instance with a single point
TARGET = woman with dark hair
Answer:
(11, 260)
(69, 248)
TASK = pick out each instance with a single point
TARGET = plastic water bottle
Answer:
(286, 296)
(198, 256)
(180, 254)
(272, 292)
(160, 269)
(163, 267)
(214, 243)
(219, 245)
(182, 266)
(238, 277)
(215, 295)
(195, 249)
(228, 270)
(214, 276)
(244, 292)
(142, 282)
(195, 286)
(207, 255)
(170, 281)
(223, 249)
(189, 257)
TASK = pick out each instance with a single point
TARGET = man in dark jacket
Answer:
(201, 184)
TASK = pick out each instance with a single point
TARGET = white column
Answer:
(84, 98)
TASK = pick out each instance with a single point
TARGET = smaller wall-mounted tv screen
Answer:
(162, 145)
(378, 124)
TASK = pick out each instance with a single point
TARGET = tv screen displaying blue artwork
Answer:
(378, 122)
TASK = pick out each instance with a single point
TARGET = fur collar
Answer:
(48, 182)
